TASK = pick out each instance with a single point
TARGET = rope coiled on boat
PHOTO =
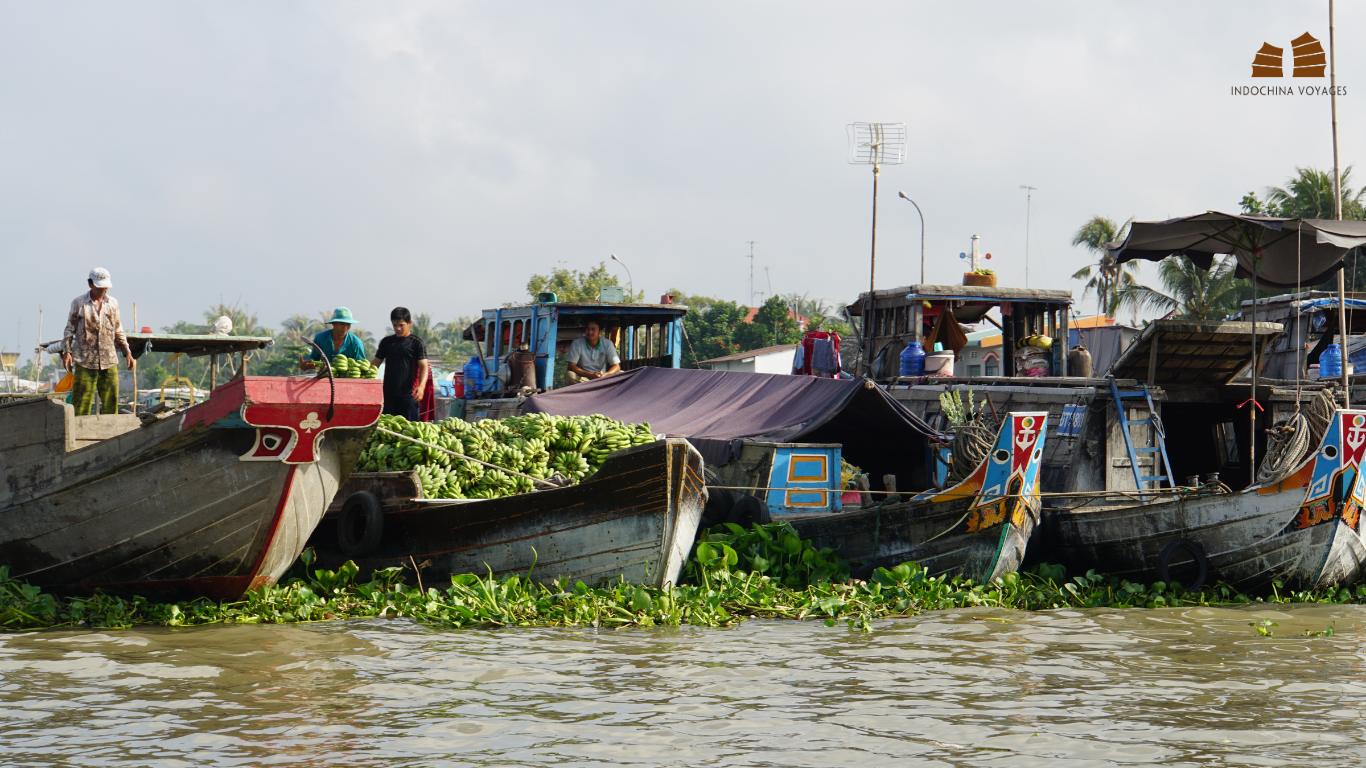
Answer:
(971, 444)
(1290, 441)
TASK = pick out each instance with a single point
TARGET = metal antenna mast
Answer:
(751, 272)
(1029, 200)
(875, 144)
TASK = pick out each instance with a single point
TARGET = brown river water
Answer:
(1063, 689)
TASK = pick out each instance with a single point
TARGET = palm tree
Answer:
(1193, 293)
(244, 323)
(298, 327)
(1106, 277)
(1309, 195)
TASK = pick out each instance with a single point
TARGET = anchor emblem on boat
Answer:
(1355, 439)
(311, 423)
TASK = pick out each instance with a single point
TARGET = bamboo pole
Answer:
(1337, 205)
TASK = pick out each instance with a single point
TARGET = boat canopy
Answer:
(195, 345)
(1265, 246)
(717, 410)
(190, 344)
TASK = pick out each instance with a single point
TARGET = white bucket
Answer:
(939, 364)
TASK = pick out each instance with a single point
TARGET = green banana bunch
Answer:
(537, 445)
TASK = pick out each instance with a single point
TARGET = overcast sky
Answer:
(297, 156)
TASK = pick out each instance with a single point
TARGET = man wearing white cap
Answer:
(93, 331)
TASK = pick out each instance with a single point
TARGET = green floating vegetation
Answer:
(767, 571)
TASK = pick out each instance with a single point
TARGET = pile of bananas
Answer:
(538, 445)
(347, 368)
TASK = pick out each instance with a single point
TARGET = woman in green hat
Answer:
(338, 341)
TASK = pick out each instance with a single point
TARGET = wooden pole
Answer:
(1337, 206)
(136, 327)
(872, 285)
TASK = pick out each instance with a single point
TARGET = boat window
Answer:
(1227, 442)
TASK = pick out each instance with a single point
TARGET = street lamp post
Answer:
(631, 283)
(903, 196)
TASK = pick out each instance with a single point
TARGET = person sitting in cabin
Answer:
(406, 373)
(93, 332)
(338, 341)
(591, 356)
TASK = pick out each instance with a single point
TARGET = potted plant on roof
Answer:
(980, 276)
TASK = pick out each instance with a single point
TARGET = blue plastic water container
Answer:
(913, 360)
(1330, 362)
(474, 377)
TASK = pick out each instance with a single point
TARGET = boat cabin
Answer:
(893, 317)
(645, 335)
(1310, 320)
(1185, 374)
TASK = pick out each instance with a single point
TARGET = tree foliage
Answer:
(573, 285)
(1308, 195)
(721, 330)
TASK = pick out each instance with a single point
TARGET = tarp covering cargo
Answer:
(716, 410)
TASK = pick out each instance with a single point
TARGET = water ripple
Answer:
(1061, 689)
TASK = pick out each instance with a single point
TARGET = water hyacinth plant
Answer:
(766, 571)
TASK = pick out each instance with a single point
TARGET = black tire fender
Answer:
(1197, 554)
(719, 503)
(749, 510)
(360, 527)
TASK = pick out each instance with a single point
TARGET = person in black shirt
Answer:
(405, 370)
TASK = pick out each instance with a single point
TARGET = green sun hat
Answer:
(342, 315)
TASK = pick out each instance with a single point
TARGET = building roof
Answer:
(749, 316)
(1094, 321)
(750, 354)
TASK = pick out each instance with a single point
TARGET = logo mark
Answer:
(311, 423)
(1308, 56)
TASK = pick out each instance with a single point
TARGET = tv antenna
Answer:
(876, 144)
(751, 271)
(1029, 199)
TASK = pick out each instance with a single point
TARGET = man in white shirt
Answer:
(591, 356)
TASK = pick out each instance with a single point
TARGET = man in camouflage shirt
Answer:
(93, 331)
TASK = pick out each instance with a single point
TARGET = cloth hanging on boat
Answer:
(948, 332)
(818, 354)
(426, 407)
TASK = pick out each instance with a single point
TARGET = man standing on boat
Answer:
(591, 356)
(405, 370)
(93, 331)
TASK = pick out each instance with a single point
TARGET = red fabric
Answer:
(426, 407)
(808, 344)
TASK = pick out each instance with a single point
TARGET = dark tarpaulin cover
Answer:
(715, 410)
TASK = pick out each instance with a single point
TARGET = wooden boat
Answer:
(635, 518)
(1304, 530)
(977, 529)
(212, 500)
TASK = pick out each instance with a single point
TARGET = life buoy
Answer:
(360, 527)
(1197, 554)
